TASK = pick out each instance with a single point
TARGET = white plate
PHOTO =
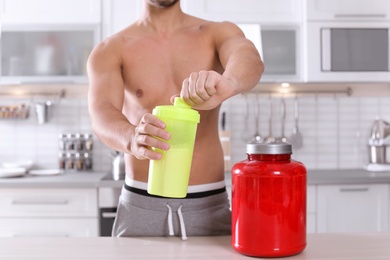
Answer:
(46, 172)
(13, 172)
(18, 164)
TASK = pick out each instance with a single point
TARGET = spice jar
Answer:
(70, 142)
(79, 162)
(69, 161)
(79, 142)
(87, 161)
(62, 160)
(88, 142)
(62, 138)
(269, 202)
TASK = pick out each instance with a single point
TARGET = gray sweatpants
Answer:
(140, 215)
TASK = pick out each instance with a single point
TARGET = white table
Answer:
(320, 246)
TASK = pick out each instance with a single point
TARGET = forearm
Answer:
(244, 68)
(112, 127)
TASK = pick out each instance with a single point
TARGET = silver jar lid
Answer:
(269, 148)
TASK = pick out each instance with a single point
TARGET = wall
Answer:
(22, 139)
(335, 128)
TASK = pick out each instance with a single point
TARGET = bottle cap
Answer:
(276, 147)
(180, 110)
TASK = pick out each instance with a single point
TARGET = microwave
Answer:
(347, 52)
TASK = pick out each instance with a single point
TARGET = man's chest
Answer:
(149, 62)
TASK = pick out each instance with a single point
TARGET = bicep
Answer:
(231, 40)
(106, 86)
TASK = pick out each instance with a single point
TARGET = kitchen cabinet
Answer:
(348, 10)
(50, 12)
(311, 209)
(353, 208)
(248, 11)
(31, 54)
(118, 14)
(47, 41)
(48, 212)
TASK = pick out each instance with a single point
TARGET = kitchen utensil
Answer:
(378, 144)
(246, 136)
(283, 138)
(257, 137)
(269, 202)
(12, 172)
(46, 172)
(224, 137)
(296, 138)
(118, 169)
(42, 111)
(169, 176)
(270, 137)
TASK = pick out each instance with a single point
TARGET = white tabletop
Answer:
(320, 246)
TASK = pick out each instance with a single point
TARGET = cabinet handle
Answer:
(108, 214)
(40, 202)
(360, 15)
(363, 189)
(39, 235)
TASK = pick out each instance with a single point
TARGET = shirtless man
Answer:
(167, 53)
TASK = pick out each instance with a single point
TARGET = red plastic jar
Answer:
(269, 202)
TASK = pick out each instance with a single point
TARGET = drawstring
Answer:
(181, 220)
(170, 225)
(182, 226)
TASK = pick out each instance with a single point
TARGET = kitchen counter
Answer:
(367, 246)
(97, 179)
(66, 180)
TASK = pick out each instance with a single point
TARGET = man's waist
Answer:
(193, 191)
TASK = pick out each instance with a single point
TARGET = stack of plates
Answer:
(20, 168)
(12, 172)
(15, 169)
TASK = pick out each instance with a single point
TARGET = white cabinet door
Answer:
(118, 14)
(311, 209)
(245, 10)
(48, 227)
(353, 208)
(348, 9)
(32, 202)
(50, 11)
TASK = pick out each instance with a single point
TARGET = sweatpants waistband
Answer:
(193, 195)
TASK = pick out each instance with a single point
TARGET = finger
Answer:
(184, 93)
(152, 120)
(192, 88)
(200, 86)
(211, 83)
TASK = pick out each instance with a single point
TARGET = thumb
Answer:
(172, 99)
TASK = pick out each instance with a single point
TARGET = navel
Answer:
(139, 93)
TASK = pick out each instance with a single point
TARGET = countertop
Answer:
(97, 179)
(360, 246)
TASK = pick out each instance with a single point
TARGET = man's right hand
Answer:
(147, 134)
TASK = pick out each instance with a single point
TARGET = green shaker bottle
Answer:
(169, 176)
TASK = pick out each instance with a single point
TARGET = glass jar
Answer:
(88, 142)
(62, 139)
(70, 161)
(269, 202)
(79, 142)
(70, 142)
(87, 161)
(79, 162)
(62, 160)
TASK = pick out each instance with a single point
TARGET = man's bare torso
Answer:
(153, 69)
